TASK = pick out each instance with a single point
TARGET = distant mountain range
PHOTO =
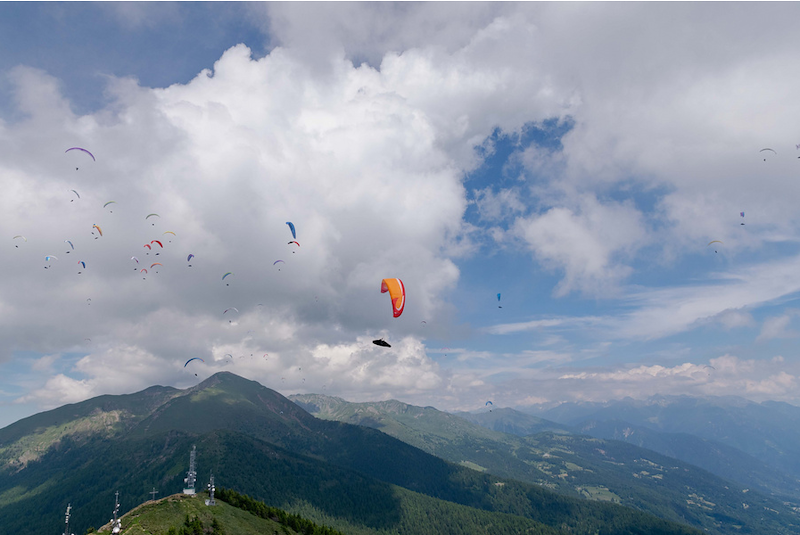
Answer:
(756, 444)
(352, 478)
(571, 463)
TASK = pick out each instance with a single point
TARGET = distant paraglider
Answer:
(18, 236)
(714, 241)
(291, 227)
(225, 275)
(742, 214)
(381, 342)
(767, 150)
(81, 149)
(189, 259)
(498, 300)
(98, 230)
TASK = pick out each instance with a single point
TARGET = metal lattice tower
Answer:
(191, 477)
(116, 524)
(66, 529)
(211, 489)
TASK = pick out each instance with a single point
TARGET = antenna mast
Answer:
(191, 477)
(66, 529)
(211, 489)
(116, 524)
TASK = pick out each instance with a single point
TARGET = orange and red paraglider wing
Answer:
(397, 292)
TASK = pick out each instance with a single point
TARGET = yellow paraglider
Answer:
(397, 291)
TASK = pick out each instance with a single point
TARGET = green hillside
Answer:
(573, 464)
(355, 479)
(178, 511)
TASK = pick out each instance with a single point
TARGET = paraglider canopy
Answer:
(381, 342)
(194, 358)
(397, 291)
(84, 150)
(291, 227)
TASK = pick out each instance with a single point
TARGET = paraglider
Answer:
(715, 241)
(170, 232)
(98, 230)
(768, 149)
(489, 403)
(189, 259)
(156, 264)
(158, 242)
(70, 244)
(231, 308)
(278, 261)
(742, 214)
(49, 258)
(291, 242)
(110, 202)
(498, 300)
(76, 193)
(151, 215)
(381, 342)
(81, 149)
(397, 292)
(193, 358)
(82, 263)
(225, 275)
(19, 236)
(291, 227)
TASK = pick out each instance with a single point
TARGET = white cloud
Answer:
(664, 312)
(563, 322)
(586, 243)
(776, 327)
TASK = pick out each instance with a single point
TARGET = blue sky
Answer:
(577, 161)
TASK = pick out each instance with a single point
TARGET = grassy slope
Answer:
(156, 517)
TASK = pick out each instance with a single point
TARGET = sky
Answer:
(577, 159)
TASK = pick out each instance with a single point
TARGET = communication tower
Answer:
(66, 529)
(191, 476)
(211, 500)
(116, 523)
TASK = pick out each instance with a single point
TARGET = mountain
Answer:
(507, 420)
(352, 478)
(719, 459)
(768, 432)
(575, 465)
